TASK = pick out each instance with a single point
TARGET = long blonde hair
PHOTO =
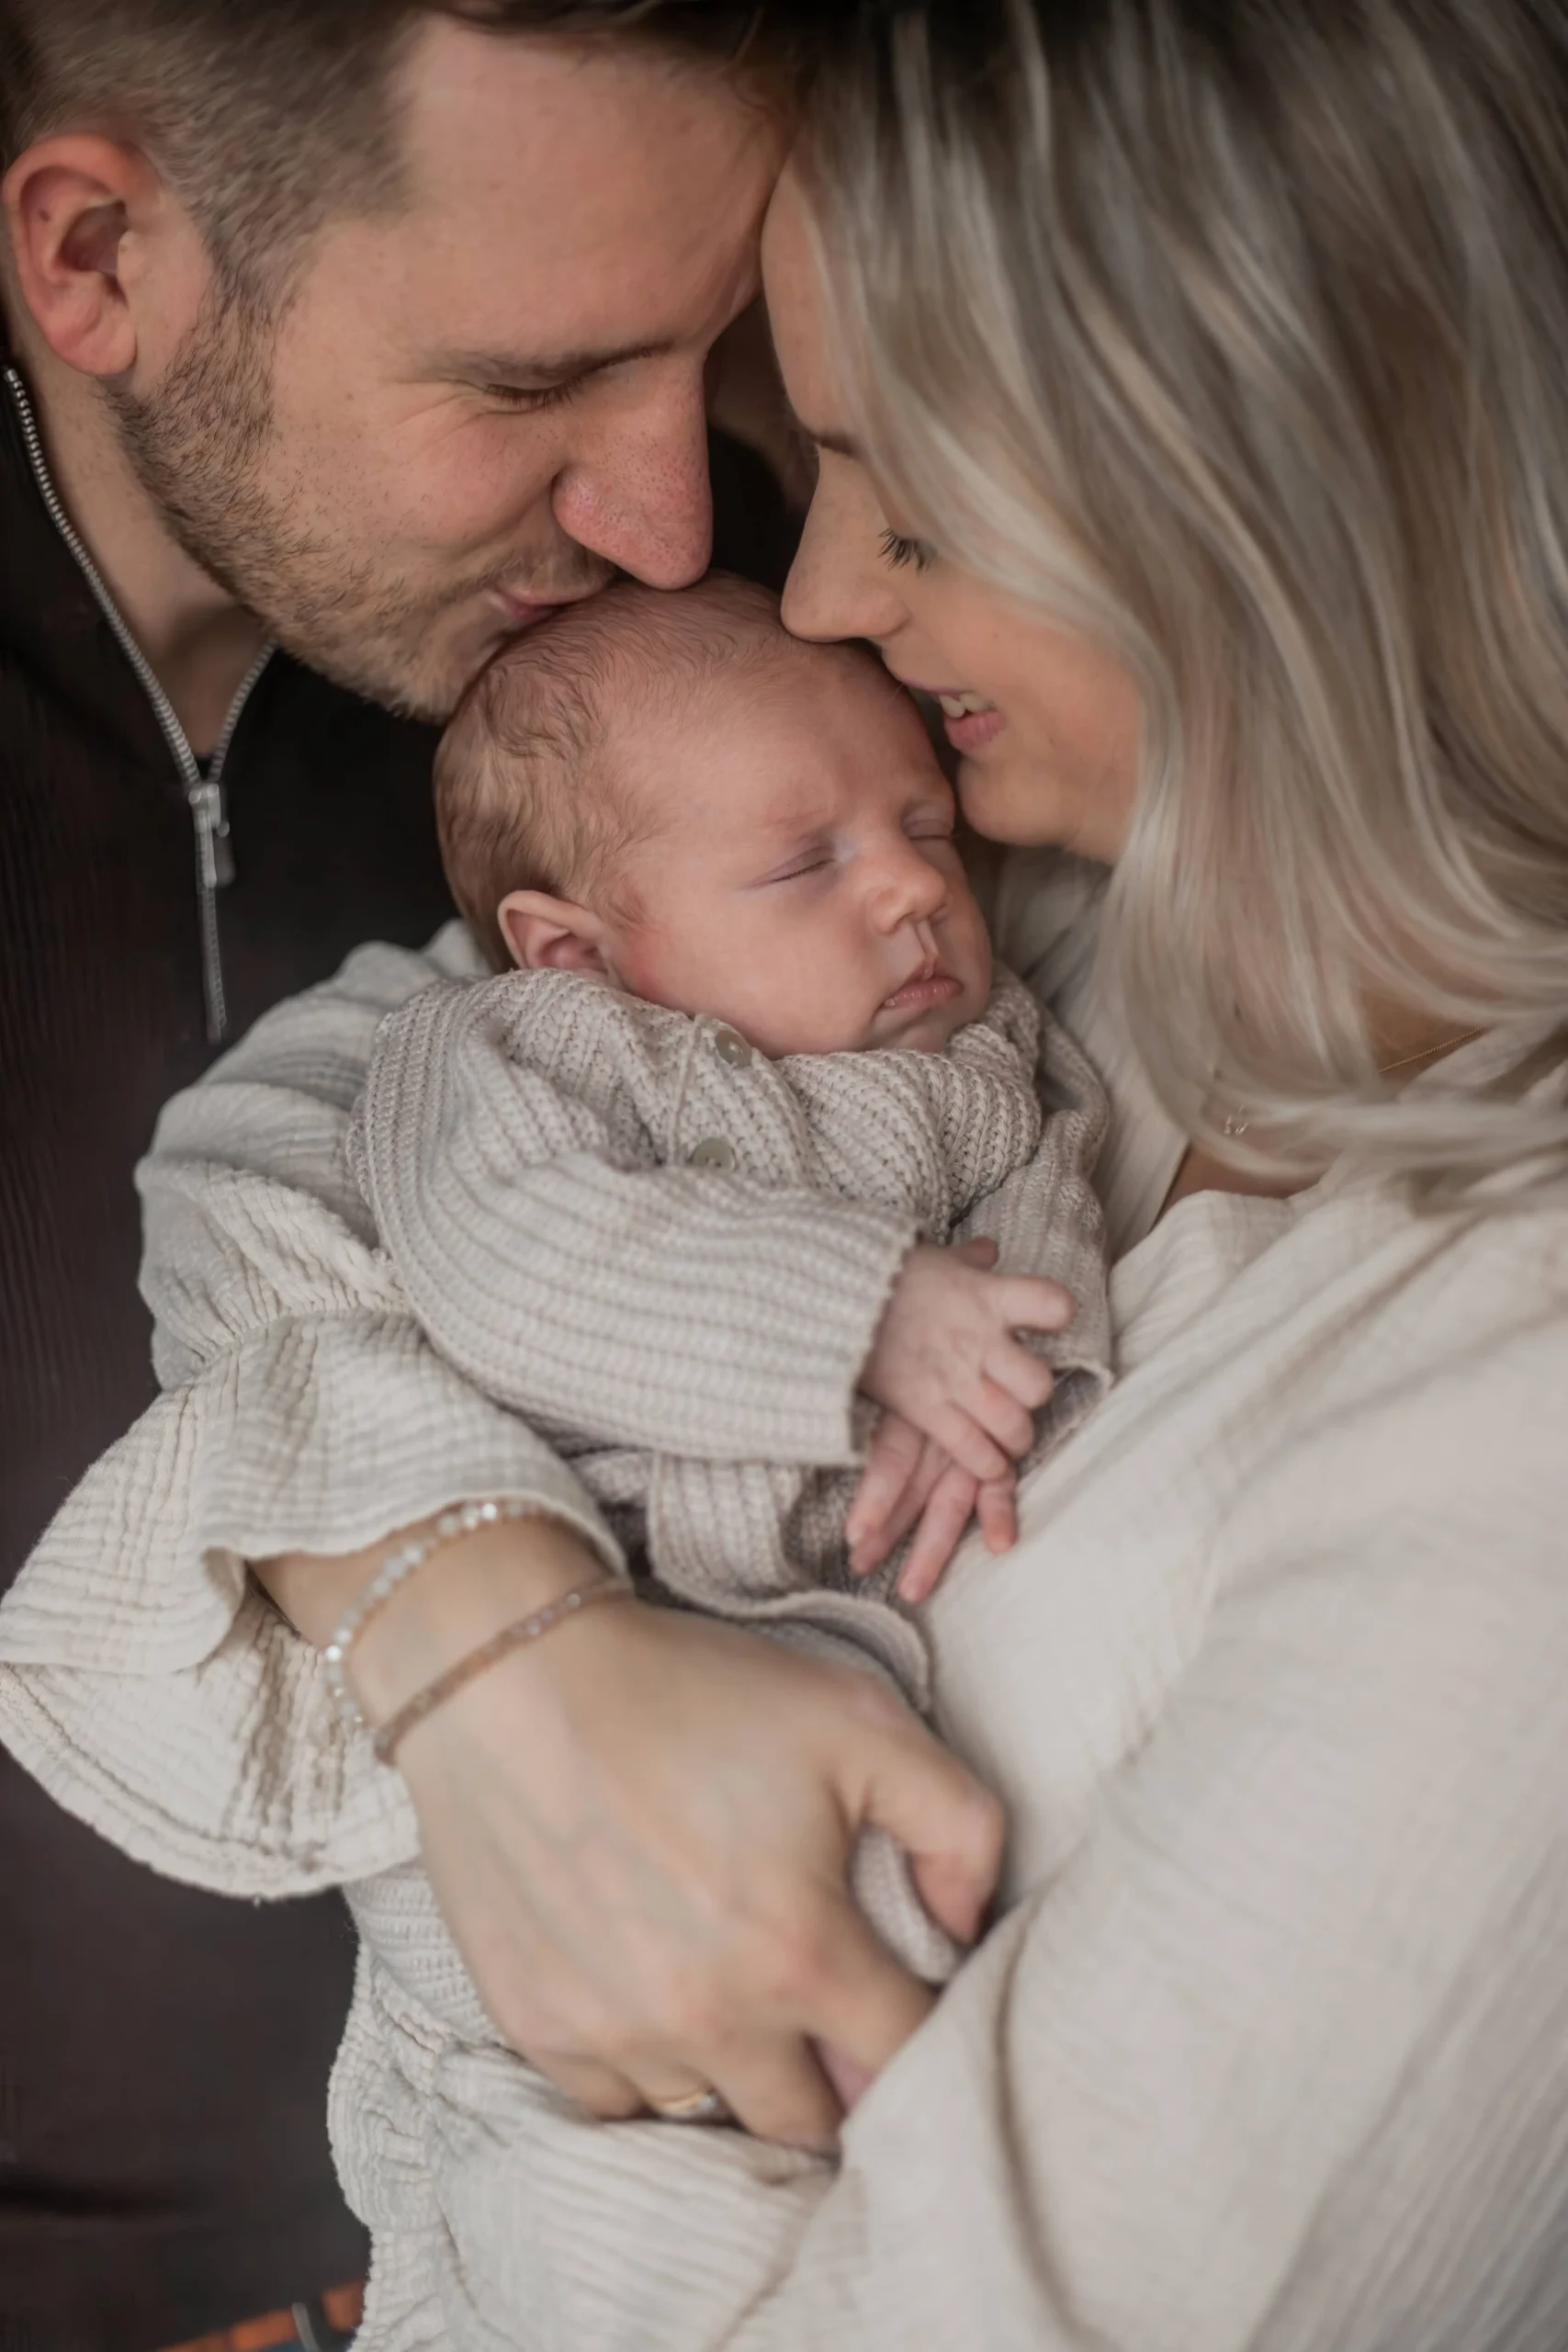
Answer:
(1236, 335)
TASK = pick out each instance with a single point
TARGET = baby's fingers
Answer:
(1028, 1303)
(891, 1466)
(1026, 1378)
(973, 1439)
(997, 1509)
(1004, 1417)
(947, 1515)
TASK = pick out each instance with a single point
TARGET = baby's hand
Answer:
(910, 1479)
(946, 1357)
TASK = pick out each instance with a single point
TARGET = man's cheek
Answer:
(471, 494)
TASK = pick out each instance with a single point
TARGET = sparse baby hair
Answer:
(536, 783)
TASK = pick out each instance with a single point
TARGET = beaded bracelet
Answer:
(463, 1519)
(531, 1628)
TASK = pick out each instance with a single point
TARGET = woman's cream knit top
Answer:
(1271, 2047)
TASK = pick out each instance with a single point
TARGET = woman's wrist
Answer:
(472, 1585)
(480, 1584)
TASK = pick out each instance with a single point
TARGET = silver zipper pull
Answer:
(214, 847)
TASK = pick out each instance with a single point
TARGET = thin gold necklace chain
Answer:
(1386, 1069)
(1237, 1122)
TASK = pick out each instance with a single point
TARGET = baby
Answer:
(668, 801)
(684, 1187)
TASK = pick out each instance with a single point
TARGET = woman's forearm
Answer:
(467, 1591)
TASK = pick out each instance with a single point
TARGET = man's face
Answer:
(481, 405)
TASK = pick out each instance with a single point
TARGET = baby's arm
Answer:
(683, 1309)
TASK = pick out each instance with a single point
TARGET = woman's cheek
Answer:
(1007, 801)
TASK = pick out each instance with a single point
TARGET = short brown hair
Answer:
(270, 116)
(534, 790)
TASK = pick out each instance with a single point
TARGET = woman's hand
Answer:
(638, 1828)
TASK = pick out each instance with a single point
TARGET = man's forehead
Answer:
(564, 142)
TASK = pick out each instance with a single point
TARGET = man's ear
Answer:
(548, 934)
(90, 220)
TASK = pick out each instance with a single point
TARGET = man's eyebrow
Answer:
(541, 368)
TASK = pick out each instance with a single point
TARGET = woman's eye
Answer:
(897, 550)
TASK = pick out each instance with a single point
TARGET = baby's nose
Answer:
(916, 890)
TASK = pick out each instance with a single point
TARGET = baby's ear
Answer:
(548, 934)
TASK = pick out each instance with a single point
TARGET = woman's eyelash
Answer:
(897, 550)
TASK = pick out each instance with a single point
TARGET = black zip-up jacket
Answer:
(164, 2054)
(164, 2166)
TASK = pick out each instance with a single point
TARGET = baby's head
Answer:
(670, 789)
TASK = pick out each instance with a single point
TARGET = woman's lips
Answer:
(919, 994)
(970, 721)
(967, 730)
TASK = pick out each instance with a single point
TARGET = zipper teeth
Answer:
(163, 710)
(208, 813)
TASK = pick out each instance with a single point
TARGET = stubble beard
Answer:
(200, 445)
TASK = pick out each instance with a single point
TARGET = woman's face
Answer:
(1048, 737)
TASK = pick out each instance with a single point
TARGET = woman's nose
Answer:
(838, 587)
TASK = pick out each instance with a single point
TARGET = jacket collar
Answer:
(52, 626)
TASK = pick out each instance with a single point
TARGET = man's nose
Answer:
(642, 499)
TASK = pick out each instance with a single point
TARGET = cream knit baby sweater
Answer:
(671, 1254)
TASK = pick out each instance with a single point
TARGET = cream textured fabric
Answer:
(537, 1155)
(1270, 2053)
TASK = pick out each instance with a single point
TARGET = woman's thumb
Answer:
(949, 1823)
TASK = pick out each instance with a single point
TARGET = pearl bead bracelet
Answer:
(463, 1519)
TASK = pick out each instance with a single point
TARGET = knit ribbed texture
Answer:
(691, 1337)
(1270, 2053)
(164, 1698)
(1271, 2050)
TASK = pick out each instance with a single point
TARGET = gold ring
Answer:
(693, 2107)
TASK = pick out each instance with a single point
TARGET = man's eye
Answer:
(532, 400)
(897, 550)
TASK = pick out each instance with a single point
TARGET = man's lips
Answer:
(524, 612)
(527, 612)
